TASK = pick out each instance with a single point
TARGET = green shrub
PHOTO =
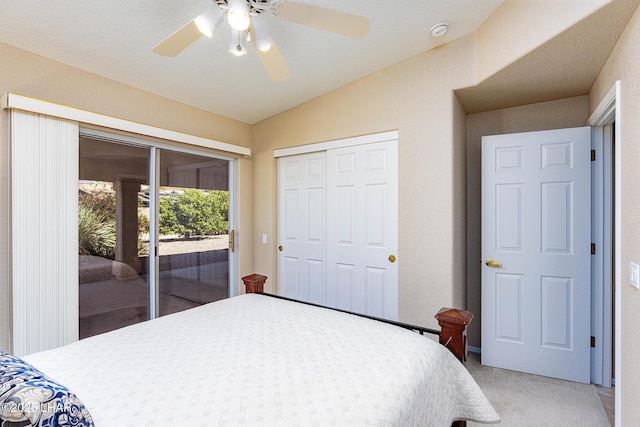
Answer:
(96, 233)
(97, 225)
(143, 228)
(103, 202)
(190, 213)
(195, 213)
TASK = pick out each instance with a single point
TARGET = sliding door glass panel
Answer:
(193, 244)
(112, 236)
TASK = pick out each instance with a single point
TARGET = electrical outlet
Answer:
(634, 275)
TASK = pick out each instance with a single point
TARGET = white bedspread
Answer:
(257, 360)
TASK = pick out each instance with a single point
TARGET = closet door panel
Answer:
(362, 227)
(338, 225)
(302, 227)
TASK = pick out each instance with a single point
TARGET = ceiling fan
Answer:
(246, 20)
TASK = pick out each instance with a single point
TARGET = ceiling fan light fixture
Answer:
(238, 44)
(209, 20)
(261, 33)
(238, 15)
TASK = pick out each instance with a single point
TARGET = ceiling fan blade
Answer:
(274, 64)
(334, 21)
(179, 40)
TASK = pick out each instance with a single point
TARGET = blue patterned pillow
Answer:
(30, 398)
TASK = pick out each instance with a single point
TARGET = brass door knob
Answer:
(492, 263)
(280, 248)
(392, 258)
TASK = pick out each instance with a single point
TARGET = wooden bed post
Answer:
(254, 283)
(453, 324)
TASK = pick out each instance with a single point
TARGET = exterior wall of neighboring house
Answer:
(31, 75)
(564, 113)
(624, 65)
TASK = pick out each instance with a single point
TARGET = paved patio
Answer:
(107, 303)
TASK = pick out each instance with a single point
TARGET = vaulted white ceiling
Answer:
(114, 39)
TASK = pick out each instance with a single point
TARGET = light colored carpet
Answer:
(531, 400)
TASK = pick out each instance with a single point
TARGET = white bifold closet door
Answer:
(44, 231)
(338, 228)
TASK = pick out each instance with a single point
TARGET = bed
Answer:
(256, 360)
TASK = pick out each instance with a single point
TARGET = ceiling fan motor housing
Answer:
(256, 7)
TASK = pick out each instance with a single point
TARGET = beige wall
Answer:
(459, 213)
(414, 97)
(518, 27)
(564, 113)
(37, 77)
(31, 75)
(624, 65)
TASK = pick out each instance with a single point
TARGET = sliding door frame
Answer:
(232, 213)
(93, 123)
(154, 171)
(154, 233)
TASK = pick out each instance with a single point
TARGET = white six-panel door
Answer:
(301, 227)
(337, 228)
(536, 248)
(362, 272)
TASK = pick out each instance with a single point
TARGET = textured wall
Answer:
(500, 40)
(414, 97)
(624, 65)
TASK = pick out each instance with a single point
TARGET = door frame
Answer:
(338, 143)
(601, 265)
(606, 114)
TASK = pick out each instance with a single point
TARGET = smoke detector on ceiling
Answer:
(439, 29)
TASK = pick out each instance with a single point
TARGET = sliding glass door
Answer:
(193, 230)
(125, 212)
(114, 284)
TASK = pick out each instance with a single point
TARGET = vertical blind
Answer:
(44, 204)
(44, 209)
